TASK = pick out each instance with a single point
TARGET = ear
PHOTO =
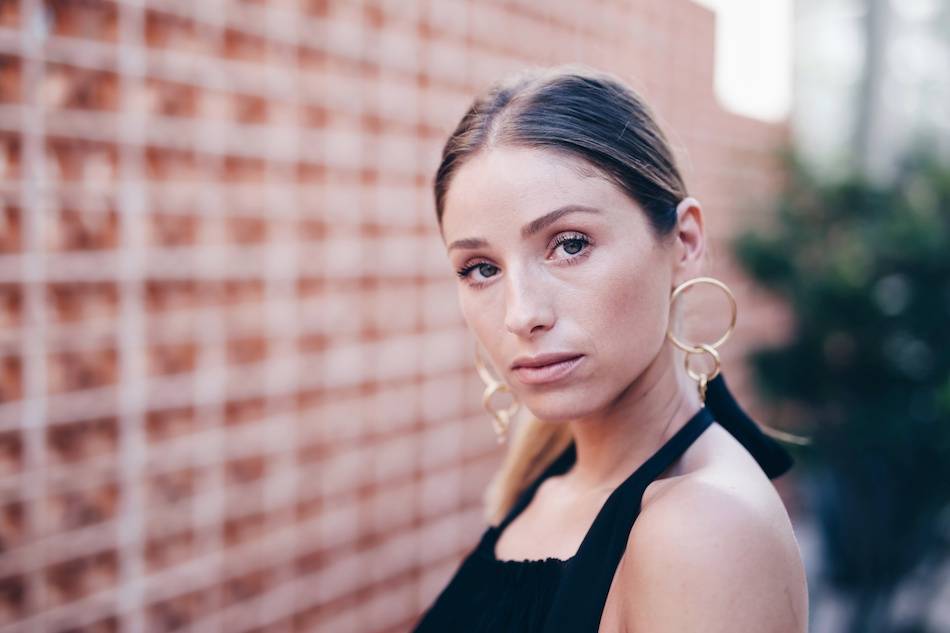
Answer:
(689, 241)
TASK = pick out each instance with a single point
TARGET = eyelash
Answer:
(465, 271)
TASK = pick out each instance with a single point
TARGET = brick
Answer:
(395, 358)
(394, 508)
(441, 493)
(393, 458)
(443, 399)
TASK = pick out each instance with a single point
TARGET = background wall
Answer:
(236, 392)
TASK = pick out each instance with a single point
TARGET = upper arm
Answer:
(703, 559)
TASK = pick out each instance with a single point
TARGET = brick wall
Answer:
(236, 392)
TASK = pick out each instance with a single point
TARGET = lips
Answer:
(542, 359)
(548, 372)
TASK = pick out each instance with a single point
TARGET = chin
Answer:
(560, 407)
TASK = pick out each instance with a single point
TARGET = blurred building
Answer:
(871, 79)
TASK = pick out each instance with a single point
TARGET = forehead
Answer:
(507, 186)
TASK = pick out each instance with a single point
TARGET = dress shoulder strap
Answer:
(582, 593)
(773, 458)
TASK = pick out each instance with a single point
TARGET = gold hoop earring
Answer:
(501, 418)
(703, 348)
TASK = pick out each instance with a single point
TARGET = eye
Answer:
(484, 268)
(573, 243)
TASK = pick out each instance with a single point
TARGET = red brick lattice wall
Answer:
(235, 389)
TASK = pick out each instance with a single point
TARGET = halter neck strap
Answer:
(773, 458)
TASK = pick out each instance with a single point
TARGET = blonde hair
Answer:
(534, 444)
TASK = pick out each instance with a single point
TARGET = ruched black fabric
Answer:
(552, 595)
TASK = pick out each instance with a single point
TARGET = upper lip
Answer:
(542, 359)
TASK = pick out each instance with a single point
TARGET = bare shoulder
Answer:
(713, 550)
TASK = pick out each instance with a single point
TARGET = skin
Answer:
(712, 527)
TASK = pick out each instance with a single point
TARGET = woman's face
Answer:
(556, 261)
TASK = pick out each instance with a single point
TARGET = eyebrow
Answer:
(531, 227)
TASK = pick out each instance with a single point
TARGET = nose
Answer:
(527, 305)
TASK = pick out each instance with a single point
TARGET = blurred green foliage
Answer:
(865, 269)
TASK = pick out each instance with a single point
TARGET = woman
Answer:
(637, 496)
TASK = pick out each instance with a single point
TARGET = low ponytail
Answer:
(533, 446)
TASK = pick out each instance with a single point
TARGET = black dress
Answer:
(552, 595)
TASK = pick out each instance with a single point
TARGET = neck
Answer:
(613, 442)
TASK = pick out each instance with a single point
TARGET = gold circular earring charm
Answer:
(501, 418)
(703, 348)
(703, 379)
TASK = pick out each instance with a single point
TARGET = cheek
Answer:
(475, 315)
(631, 316)
(481, 318)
